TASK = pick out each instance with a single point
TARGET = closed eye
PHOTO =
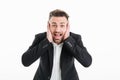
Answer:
(54, 25)
(62, 26)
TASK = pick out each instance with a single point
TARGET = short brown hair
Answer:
(58, 13)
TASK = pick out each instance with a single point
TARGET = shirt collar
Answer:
(59, 45)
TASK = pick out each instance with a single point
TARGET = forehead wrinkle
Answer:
(53, 22)
(62, 23)
(56, 23)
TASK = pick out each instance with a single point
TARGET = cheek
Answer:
(51, 30)
(64, 30)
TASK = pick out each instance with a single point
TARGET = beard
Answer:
(58, 41)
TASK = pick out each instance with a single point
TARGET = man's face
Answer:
(58, 27)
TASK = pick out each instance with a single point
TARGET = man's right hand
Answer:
(49, 35)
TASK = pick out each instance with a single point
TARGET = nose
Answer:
(57, 29)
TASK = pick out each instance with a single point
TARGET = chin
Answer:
(57, 41)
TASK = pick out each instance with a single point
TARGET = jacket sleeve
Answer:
(37, 49)
(76, 48)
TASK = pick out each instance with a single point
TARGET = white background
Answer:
(98, 22)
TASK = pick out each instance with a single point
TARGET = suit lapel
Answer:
(51, 58)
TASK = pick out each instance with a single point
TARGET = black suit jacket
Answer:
(43, 49)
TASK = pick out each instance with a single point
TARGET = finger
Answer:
(68, 27)
(48, 25)
(68, 30)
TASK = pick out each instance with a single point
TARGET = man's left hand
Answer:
(67, 33)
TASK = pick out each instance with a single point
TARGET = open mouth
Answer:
(57, 35)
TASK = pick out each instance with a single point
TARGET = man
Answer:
(57, 48)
